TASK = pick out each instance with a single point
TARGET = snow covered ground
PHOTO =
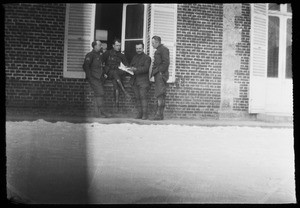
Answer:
(130, 163)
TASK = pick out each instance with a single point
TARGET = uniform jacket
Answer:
(161, 61)
(113, 58)
(93, 65)
(142, 62)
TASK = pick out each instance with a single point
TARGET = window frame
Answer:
(144, 39)
(283, 16)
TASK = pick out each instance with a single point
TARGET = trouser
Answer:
(99, 105)
(97, 86)
(116, 75)
(141, 100)
(160, 94)
(160, 87)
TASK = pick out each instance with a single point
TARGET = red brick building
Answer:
(227, 60)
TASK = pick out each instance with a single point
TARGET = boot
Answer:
(163, 104)
(101, 113)
(145, 109)
(139, 115)
(122, 88)
(117, 94)
(139, 109)
(160, 108)
(158, 112)
(96, 111)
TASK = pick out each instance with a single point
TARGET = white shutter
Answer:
(79, 34)
(164, 25)
(258, 58)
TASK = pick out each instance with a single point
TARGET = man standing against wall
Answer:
(140, 82)
(112, 59)
(94, 74)
(160, 71)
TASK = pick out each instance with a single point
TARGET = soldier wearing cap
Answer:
(112, 59)
(95, 76)
(140, 82)
(160, 71)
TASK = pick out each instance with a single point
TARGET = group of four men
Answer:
(100, 66)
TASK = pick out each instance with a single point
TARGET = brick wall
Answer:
(196, 92)
(34, 35)
(34, 42)
(34, 52)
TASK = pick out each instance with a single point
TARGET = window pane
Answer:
(289, 49)
(274, 6)
(134, 21)
(289, 8)
(273, 44)
(130, 49)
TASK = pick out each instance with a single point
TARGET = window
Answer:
(270, 87)
(289, 8)
(274, 6)
(134, 30)
(273, 46)
(288, 66)
(134, 21)
(279, 41)
(108, 21)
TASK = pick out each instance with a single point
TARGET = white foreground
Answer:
(129, 163)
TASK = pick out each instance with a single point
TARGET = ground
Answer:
(104, 161)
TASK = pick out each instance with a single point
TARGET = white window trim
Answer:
(144, 39)
(283, 16)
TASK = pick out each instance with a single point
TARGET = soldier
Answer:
(94, 74)
(140, 82)
(161, 75)
(112, 59)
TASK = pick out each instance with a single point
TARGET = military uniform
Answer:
(112, 60)
(94, 74)
(160, 71)
(140, 83)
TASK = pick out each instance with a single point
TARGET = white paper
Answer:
(124, 68)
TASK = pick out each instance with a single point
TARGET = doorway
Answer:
(108, 23)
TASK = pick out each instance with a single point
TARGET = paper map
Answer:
(124, 68)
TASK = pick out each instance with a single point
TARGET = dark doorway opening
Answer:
(109, 21)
